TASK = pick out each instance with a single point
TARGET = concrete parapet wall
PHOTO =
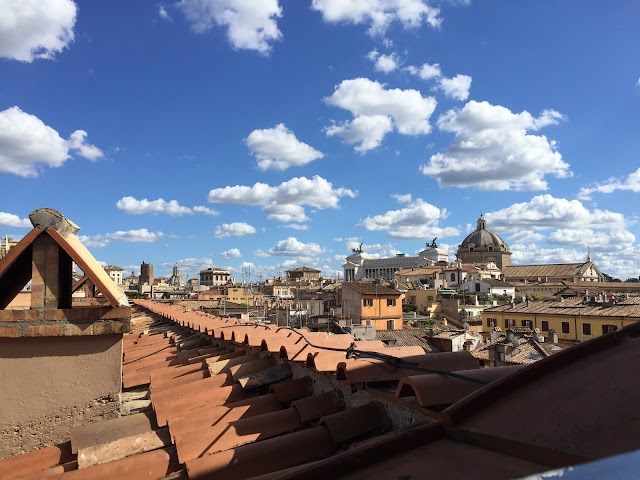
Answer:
(50, 385)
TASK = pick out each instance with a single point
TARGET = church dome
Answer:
(482, 237)
(176, 280)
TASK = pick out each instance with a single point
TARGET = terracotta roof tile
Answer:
(251, 419)
(434, 390)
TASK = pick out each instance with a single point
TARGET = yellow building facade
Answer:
(573, 320)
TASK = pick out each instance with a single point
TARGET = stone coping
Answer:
(64, 322)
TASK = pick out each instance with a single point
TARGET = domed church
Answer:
(176, 280)
(483, 246)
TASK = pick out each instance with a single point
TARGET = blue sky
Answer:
(282, 133)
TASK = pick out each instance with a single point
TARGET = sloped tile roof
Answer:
(370, 288)
(248, 405)
(547, 270)
(628, 307)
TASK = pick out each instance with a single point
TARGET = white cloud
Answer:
(567, 223)
(524, 236)
(533, 254)
(205, 210)
(278, 148)
(140, 235)
(31, 29)
(292, 247)
(379, 14)
(285, 213)
(26, 143)
(284, 202)
(11, 220)
(235, 229)
(493, 150)
(457, 87)
(418, 219)
(369, 102)
(162, 11)
(426, 71)
(382, 62)
(137, 207)
(548, 212)
(231, 253)
(250, 25)
(406, 198)
(367, 130)
(630, 183)
(190, 266)
(297, 226)
(621, 263)
(77, 141)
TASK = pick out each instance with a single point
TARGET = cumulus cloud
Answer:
(382, 62)
(140, 235)
(292, 247)
(134, 206)
(284, 202)
(235, 229)
(426, 71)
(31, 29)
(11, 220)
(231, 253)
(297, 226)
(26, 144)
(285, 212)
(548, 212)
(370, 250)
(377, 111)
(379, 14)
(162, 12)
(631, 183)
(418, 219)
(250, 25)
(493, 150)
(368, 131)
(523, 236)
(406, 198)
(190, 266)
(278, 148)
(566, 224)
(457, 87)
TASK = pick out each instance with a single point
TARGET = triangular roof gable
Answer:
(15, 267)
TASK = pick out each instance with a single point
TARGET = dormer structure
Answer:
(60, 354)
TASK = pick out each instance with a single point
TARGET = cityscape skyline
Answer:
(287, 135)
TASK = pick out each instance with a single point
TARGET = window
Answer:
(491, 322)
(453, 277)
(367, 322)
(412, 299)
(527, 323)
(608, 329)
(430, 298)
(586, 329)
(565, 327)
(390, 325)
(477, 287)
(367, 302)
(509, 322)
(391, 302)
(545, 325)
